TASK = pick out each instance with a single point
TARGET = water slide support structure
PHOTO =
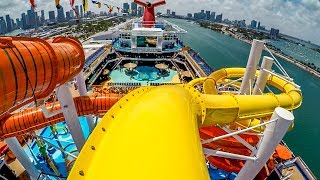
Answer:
(23, 158)
(83, 92)
(273, 134)
(71, 116)
(263, 75)
(251, 68)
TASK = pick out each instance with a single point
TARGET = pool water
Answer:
(142, 74)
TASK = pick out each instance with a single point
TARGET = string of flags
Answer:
(85, 6)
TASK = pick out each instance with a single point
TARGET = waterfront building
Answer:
(134, 8)
(71, 13)
(168, 12)
(42, 19)
(32, 23)
(89, 14)
(219, 18)
(60, 17)
(207, 15)
(24, 21)
(213, 16)
(78, 11)
(81, 11)
(13, 24)
(196, 16)
(68, 16)
(52, 16)
(3, 26)
(274, 33)
(253, 24)
(173, 13)
(189, 15)
(126, 7)
(9, 24)
(18, 22)
(202, 15)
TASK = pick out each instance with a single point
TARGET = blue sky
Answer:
(299, 18)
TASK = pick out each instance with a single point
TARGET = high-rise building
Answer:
(18, 22)
(78, 11)
(71, 14)
(24, 21)
(213, 16)
(126, 7)
(81, 11)
(253, 24)
(52, 16)
(89, 14)
(219, 18)
(189, 15)
(207, 15)
(134, 8)
(3, 26)
(13, 24)
(68, 16)
(32, 21)
(258, 25)
(274, 33)
(9, 24)
(202, 15)
(60, 16)
(140, 9)
(42, 19)
(168, 11)
(196, 16)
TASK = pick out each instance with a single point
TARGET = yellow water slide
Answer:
(152, 132)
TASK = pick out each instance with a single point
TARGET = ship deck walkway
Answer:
(192, 62)
(193, 57)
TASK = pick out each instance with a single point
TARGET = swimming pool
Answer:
(142, 74)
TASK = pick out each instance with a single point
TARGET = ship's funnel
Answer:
(31, 68)
(148, 19)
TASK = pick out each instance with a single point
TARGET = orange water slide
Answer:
(31, 68)
(33, 118)
(232, 145)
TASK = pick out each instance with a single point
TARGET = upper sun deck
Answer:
(159, 37)
(164, 25)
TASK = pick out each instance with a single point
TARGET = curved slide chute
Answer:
(228, 108)
(31, 68)
(153, 132)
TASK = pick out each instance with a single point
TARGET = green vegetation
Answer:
(86, 29)
(252, 34)
(212, 26)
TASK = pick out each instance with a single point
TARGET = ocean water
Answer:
(222, 51)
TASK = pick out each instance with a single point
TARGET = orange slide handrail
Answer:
(31, 68)
(33, 118)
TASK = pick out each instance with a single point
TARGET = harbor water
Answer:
(221, 51)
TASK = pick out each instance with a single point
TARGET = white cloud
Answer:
(298, 18)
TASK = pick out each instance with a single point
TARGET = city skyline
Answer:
(298, 18)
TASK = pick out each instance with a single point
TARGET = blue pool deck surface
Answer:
(119, 75)
(65, 139)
